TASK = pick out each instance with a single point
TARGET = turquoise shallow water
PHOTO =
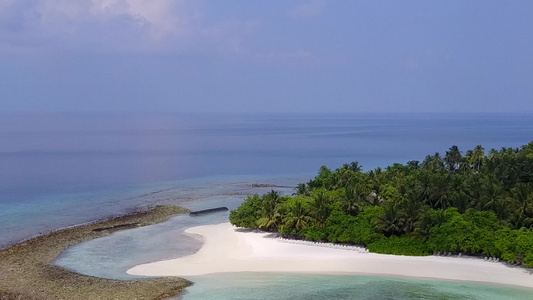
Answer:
(113, 255)
(254, 286)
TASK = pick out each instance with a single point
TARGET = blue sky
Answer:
(266, 56)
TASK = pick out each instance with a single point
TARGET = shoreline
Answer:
(26, 271)
(230, 250)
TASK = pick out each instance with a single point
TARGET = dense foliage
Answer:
(474, 203)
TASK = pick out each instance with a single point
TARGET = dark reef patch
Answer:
(26, 271)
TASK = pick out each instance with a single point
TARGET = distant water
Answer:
(58, 170)
(63, 169)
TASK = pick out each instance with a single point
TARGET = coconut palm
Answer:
(354, 166)
(477, 157)
(270, 219)
(375, 179)
(270, 211)
(441, 195)
(413, 164)
(472, 186)
(301, 190)
(347, 177)
(355, 199)
(424, 185)
(433, 162)
(411, 205)
(522, 194)
(297, 218)
(321, 208)
(453, 158)
(392, 221)
(492, 194)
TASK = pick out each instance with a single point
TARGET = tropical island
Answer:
(474, 212)
(473, 204)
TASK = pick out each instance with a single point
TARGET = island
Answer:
(453, 217)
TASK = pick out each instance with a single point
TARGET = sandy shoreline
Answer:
(227, 249)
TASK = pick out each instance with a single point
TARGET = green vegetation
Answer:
(475, 204)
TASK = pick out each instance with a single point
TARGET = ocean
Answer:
(59, 170)
(318, 287)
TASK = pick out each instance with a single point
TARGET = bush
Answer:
(248, 213)
(399, 245)
(472, 232)
(362, 230)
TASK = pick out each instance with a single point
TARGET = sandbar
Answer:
(27, 272)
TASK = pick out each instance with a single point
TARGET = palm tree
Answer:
(441, 195)
(334, 181)
(423, 180)
(374, 199)
(347, 177)
(323, 179)
(460, 198)
(445, 199)
(426, 163)
(477, 157)
(297, 218)
(438, 163)
(273, 195)
(411, 205)
(413, 164)
(523, 196)
(355, 199)
(493, 154)
(270, 211)
(492, 197)
(502, 207)
(472, 186)
(433, 162)
(270, 219)
(375, 179)
(302, 189)
(392, 221)
(518, 221)
(453, 158)
(321, 208)
(354, 166)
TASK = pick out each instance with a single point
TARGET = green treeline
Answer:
(474, 204)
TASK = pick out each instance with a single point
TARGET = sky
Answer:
(307, 56)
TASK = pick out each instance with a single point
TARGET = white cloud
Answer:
(97, 23)
(122, 26)
(160, 16)
(313, 8)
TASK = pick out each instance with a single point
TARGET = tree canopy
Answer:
(476, 203)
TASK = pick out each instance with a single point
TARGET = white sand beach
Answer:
(228, 249)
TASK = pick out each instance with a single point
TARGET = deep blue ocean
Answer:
(59, 170)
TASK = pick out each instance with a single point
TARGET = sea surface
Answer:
(255, 286)
(59, 170)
